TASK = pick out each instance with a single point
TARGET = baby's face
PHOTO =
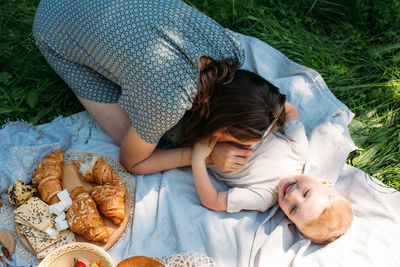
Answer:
(302, 198)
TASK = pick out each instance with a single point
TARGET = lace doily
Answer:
(7, 210)
(189, 259)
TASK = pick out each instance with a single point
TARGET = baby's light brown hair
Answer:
(331, 223)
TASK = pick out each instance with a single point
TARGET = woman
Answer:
(152, 70)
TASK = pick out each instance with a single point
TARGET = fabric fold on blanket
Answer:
(23, 146)
(328, 148)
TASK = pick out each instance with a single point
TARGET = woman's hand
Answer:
(229, 157)
(202, 149)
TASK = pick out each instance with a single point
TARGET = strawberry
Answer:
(78, 263)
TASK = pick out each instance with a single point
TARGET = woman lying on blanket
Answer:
(154, 71)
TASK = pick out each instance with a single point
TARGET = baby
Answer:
(274, 174)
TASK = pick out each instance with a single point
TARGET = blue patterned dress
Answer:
(142, 54)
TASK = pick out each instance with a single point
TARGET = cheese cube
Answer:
(60, 217)
(51, 232)
(66, 203)
(63, 194)
(61, 225)
(56, 208)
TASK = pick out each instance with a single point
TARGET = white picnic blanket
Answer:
(169, 218)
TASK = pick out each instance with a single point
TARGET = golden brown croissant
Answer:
(109, 195)
(110, 201)
(99, 172)
(47, 176)
(83, 217)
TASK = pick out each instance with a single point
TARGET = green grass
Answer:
(29, 88)
(353, 44)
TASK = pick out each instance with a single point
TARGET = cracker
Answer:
(37, 239)
(36, 213)
(65, 237)
(29, 231)
(20, 221)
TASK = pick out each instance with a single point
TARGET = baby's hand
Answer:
(291, 112)
(202, 148)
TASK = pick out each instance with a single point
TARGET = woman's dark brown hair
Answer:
(234, 99)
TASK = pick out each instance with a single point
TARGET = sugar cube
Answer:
(60, 217)
(51, 232)
(63, 194)
(61, 225)
(56, 208)
(66, 203)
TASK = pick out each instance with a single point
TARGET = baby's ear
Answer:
(325, 182)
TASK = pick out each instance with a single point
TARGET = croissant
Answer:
(110, 201)
(47, 176)
(98, 171)
(109, 195)
(83, 217)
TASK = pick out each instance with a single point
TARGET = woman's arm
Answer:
(209, 196)
(140, 157)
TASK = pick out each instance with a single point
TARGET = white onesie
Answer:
(279, 155)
